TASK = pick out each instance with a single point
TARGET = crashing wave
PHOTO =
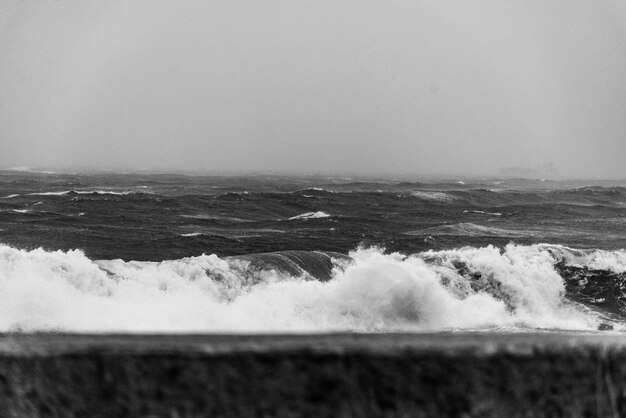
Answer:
(613, 261)
(468, 288)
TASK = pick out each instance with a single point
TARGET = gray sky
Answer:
(328, 86)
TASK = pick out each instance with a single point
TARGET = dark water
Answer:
(135, 217)
(170, 217)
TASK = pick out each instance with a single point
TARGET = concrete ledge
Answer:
(473, 374)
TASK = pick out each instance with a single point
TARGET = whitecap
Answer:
(614, 261)
(16, 210)
(483, 212)
(434, 196)
(376, 292)
(310, 215)
(62, 193)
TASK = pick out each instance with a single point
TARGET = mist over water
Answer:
(401, 87)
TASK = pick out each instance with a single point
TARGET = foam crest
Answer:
(433, 196)
(522, 277)
(88, 192)
(614, 261)
(310, 215)
(470, 288)
(468, 229)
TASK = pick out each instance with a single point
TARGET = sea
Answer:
(164, 253)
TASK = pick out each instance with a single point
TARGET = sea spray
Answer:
(469, 288)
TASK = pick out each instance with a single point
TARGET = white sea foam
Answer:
(310, 215)
(434, 196)
(215, 217)
(67, 291)
(312, 189)
(483, 212)
(11, 196)
(15, 210)
(111, 192)
(98, 192)
(61, 193)
(614, 261)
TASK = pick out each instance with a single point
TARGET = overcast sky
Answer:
(326, 86)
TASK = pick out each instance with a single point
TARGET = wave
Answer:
(112, 192)
(313, 190)
(215, 217)
(22, 211)
(62, 193)
(594, 259)
(90, 192)
(233, 233)
(609, 197)
(310, 215)
(369, 291)
(469, 229)
(433, 196)
(481, 212)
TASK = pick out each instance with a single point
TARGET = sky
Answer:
(315, 87)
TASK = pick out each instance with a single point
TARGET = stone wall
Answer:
(475, 374)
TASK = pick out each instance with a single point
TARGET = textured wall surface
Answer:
(321, 375)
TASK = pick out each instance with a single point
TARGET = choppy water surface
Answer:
(176, 253)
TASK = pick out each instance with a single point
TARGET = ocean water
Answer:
(173, 253)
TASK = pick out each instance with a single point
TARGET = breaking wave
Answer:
(482, 212)
(298, 291)
(88, 192)
(310, 215)
(433, 196)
